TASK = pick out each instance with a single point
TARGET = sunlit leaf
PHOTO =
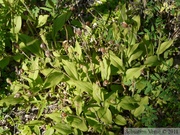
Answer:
(120, 120)
(70, 68)
(164, 46)
(138, 21)
(49, 131)
(105, 115)
(42, 19)
(63, 128)
(17, 24)
(78, 102)
(77, 122)
(97, 93)
(135, 56)
(82, 85)
(53, 79)
(55, 116)
(116, 62)
(35, 122)
(151, 61)
(105, 69)
(10, 100)
(133, 73)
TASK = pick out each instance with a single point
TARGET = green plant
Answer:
(77, 74)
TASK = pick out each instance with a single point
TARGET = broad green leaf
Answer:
(30, 44)
(82, 85)
(138, 110)
(34, 69)
(144, 101)
(132, 49)
(140, 85)
(4, 62)
(98, 95)
(128, 103)
(26, 131)
(94, 123)
(78, 102)
(10, 100)
(138, 21)
(17, 24)
(164, 46)
(42, 34)
(70, 68)
(36, 130)
(105, 69)
(133, 73)
(105, 115)
(46, 71)
(42, 19)
(120, 120)
(116, 62)
(49, 131)
(60, 21)
(63, 128)
(136, 55)
(168, 63)
(42, 105)
(77, 122)
(54, 78)
(78, 50)
(151, 61)
(123, 12)
(128, 106)
(35, 122)
(56, 117)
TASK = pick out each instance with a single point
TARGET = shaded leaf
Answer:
(4, 62)
(60, 21)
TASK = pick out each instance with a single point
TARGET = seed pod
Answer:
(47, 53)
(88, 23)
(72, 8)
(105, 82)
(78, 32)
(43, 46)
(124, 24)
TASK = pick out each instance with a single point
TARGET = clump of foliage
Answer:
(77, 68)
